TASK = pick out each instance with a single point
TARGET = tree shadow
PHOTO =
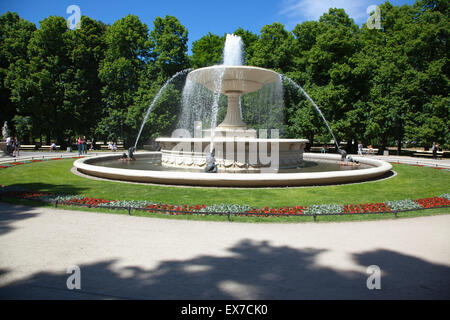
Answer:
(12, 213)
(49, 188)
(252, 270)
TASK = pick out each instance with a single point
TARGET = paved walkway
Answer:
(26, 155)
(133, 257)
(440, 163)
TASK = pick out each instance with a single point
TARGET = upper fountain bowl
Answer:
(236, 80)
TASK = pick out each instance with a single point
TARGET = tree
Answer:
(38, 87)
(169, 47)
(273, 50)
(207, 51)
(83, 92)
(15, 34)
(322, 64)
(128, 51)
(249, 38)
(168, 57)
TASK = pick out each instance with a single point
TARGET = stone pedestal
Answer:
(3, 148)
(233, 154)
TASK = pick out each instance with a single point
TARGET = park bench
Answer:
(427, 154)
(368, 151)
(106, 147)
(330, 149)
(47, 148)
(29, 147)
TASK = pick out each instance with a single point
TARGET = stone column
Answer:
(233, 120)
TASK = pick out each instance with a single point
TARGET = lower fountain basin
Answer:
(237, 153)
(369, 169)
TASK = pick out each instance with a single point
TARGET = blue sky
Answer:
(198, 16)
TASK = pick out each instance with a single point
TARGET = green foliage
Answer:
(15, 34)
(273, 48)
(169, 46)
(207, 51)
(24, 127)
(128, 49)
(380, 87)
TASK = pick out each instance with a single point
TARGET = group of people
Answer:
(361, 152)
(112, 146)
(13, 146)
(82, 145)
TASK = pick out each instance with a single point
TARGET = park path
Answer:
(145, 258)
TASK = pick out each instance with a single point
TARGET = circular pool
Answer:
(316, 169)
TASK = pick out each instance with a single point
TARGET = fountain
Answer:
(244, 157)
(236, 147)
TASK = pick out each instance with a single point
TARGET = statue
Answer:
(130, 156)
(5, 130)
(211, 166)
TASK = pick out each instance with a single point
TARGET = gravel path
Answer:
(143, 258)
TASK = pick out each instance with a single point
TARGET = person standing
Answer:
(8, 145)
(80, 143)
(360, 147)
(435, 148)
(84, 145)
(16, 147)
(370, 149)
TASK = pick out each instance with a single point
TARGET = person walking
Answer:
(434, 149)
(16, 147)
(80, 143)
(84, 145)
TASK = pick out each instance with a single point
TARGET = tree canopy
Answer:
(383, 87)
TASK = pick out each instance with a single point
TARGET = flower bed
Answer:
(153, 207)
(433, 202)
(367, 208)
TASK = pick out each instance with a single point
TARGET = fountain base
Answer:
(92, 166)
(233, 153)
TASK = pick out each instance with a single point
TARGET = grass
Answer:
(55, 177)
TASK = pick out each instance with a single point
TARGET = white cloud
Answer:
(302, 10)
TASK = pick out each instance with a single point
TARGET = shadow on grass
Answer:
(11, 213)
(253, 270)
(50, 188)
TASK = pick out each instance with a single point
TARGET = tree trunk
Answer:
(399, 147)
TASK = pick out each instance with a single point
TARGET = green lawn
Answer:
(55, 177)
